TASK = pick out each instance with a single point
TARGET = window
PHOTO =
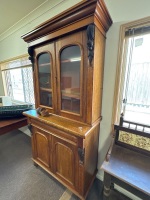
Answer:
(132, 95)
(136, 95)
(18, 81)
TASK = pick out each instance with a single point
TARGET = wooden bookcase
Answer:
(67, 53)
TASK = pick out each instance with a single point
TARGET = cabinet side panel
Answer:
(91, 156)
(99, 50)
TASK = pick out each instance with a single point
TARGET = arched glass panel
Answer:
(44, 74)
(70, 78)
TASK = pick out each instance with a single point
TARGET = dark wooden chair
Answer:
(127, 163)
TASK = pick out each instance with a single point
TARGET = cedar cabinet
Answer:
(67, 54)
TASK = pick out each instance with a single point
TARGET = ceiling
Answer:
(12, 11)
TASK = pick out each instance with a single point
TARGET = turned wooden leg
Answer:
(107, 186)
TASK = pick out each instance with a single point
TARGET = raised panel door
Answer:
(65, 161)
(42, 147)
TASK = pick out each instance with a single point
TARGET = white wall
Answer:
(108, 90)
(127, 10)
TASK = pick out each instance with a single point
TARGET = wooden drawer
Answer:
(58, 133)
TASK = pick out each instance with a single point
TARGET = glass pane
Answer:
(44, 73)
(70, 79)
(17, 87)
(137, 83)
(46, 98)
(27, 75)
(44, 67)
(19, 84)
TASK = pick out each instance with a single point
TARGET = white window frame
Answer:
(120, 68)
(11, 64)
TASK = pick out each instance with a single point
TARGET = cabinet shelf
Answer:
(71, 60)
(44, 64)
(71, 95)
(45, 89)
(62, 61)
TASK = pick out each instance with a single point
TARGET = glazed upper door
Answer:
(70, 72)
(45, 86)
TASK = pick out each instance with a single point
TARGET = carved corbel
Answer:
(90, 42)
(30, 128)
(31, 52)
(81, 155)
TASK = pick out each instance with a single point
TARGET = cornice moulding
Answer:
(93, 11)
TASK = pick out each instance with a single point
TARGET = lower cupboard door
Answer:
(41, 142)
(65, 160)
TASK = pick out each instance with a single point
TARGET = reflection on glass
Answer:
(46, 98)
(44, 70)
(44, 74)
(70, 79)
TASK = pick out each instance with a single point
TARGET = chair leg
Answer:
(107, 186)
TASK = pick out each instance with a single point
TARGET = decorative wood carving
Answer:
(30, 128)
(30, 52)
(81, 155)
(90, 42)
